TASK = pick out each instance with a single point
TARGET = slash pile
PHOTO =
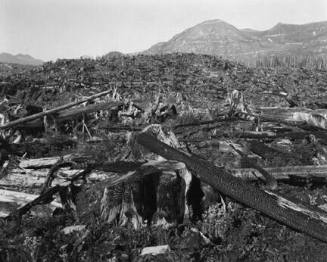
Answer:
(170, 157)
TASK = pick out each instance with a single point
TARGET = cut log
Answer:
(295, 215)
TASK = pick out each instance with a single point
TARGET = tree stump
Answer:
(157, 197)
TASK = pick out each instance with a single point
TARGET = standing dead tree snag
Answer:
(295, 215)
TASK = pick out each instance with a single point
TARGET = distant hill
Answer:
(19, 59)
(216, 37)
(113, 54)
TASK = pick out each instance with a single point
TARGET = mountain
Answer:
(216, 37)
(19, 59)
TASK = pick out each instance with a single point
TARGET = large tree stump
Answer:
(158, 195)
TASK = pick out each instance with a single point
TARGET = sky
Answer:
(51, 29)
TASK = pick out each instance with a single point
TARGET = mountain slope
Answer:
(216, 37)
(19, 59)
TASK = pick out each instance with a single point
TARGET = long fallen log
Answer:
(309, 220)
(72, 114)
(52, 111)
(29, 178)
(31, 172)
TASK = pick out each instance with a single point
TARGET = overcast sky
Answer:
(50, 29)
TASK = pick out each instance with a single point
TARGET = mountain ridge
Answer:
(22, 59)
(217, 37)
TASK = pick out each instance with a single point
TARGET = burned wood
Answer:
(295, 215)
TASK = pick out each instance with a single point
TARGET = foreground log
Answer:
(295, 215)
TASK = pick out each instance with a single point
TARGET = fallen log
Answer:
(71, 114)
(51, 111)
(309, 220)
(41, 163)
(284, 173)
(296, 116)
(11, 200)
(34, 179)
(79, 111)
